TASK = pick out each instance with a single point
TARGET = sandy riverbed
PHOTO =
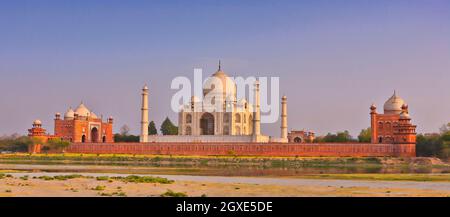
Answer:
(217, 186)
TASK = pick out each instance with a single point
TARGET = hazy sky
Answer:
(334, 58)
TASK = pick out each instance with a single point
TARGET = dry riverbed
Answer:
(87, 184)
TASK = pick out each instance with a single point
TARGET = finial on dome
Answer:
(219, 66)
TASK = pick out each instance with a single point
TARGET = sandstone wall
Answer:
(249, 149)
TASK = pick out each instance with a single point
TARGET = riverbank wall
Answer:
(249, 149)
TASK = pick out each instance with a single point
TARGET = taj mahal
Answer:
(225, 119)
(221, 123)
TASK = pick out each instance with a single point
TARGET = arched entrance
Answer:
(83, 139)
(94, 134)
(298, 140)
(207, 124)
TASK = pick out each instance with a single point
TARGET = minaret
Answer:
(144, 115)
(284, 130)
(373, 124)
(256, 113)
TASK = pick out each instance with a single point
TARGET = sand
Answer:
(210, 186)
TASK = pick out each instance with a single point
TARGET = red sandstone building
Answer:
(300, 136)
(394, 126)
(78, 126)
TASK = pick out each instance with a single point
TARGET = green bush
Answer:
(65, 177)
(99, 188)
(143, 179)
(170, 193)
(46, 178)
(24, 177)
(102, 178)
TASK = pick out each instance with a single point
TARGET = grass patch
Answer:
(170, 193)
(60, 177)
(66, 177)
(99, 188)
(102, 178)
(46, 178)
(24, 177)
(143, 179)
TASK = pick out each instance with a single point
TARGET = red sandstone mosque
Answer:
(236, 131)
(394, 126)
(79, 126)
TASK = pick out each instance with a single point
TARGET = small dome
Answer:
(393, 105)
(82, 111)
(404, 115)
(373, 107)
(69, 114)
(37, 122)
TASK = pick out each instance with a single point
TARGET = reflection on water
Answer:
(221, 170)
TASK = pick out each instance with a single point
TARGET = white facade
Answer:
(219, 113)
(218, 117)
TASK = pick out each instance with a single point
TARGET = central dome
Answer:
(220, 84)
(393, 105)
(82, 111)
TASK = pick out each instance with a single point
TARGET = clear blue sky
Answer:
(334, 58)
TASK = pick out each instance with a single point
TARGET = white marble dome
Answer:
(82, 111)
(220, 84)
(69, 114)
(393, 105)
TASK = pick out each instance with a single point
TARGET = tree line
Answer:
(17, 143)
(167, 128)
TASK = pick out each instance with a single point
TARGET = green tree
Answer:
(168, 128)
(125, 138)
(339, 137)
(57, 144)
(152, 128)
(17, 143)
(445, 147)
(428, 145)
(365, 135)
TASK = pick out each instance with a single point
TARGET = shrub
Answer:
(99, 188)
(24, 177)
(102, 178)
(143, 179)
(65, 177)
(46, 178)
(170, 193)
